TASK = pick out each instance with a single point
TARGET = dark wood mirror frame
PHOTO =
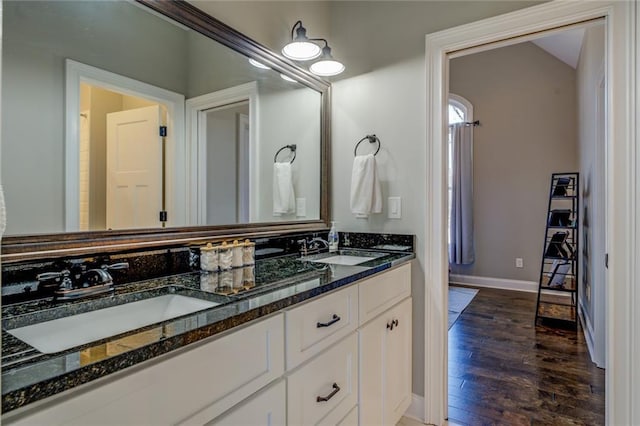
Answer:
(48, 246)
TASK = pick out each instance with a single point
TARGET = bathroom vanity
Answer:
(323, 344)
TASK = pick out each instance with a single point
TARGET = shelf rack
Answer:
(557, 302)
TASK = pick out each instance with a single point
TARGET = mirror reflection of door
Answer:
(121, 160)
(134, 168)
(226, 129)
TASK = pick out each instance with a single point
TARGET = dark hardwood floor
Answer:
(504, 370)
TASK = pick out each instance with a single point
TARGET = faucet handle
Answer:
(116, 266)
(51, 275)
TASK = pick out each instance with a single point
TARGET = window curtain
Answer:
(461, 250)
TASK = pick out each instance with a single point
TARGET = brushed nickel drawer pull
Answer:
(334, 320)
(336, 389)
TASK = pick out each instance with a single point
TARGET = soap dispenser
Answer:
(333, 238)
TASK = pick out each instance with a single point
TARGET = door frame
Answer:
(195, 107)
(623, 184)
(176, 170)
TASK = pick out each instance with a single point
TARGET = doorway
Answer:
(122, 181)
(86, 171)
(620, 60)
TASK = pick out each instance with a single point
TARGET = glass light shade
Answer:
(301, 50)
(287, 78)
(258, 64)
(326, 67)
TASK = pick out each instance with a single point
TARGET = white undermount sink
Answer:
(65, 333)
(342, 259)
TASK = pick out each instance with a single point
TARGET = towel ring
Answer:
(372, 139)
(291, 147)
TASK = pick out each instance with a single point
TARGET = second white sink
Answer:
(342, 259)
(65, 333)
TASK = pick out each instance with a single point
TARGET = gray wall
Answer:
(525, 99)
(299, 112)
(222, 150)
(592, 158)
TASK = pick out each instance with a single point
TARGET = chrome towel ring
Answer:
(291, 147)
(371, 139)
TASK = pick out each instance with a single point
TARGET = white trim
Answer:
(623, 202)
(502, 284)
(587, 330)
(499, 283)
(77, 73)
(416, 409)
(197, 146)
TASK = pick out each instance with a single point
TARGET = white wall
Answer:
(592, 179)
(298, 113)
(33, 90)
(525, 99)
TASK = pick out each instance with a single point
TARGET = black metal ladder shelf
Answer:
(558, 286)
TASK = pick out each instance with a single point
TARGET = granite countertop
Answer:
(243, 295)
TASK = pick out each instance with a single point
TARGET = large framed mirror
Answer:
(144, 123)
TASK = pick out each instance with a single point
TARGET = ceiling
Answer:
(564, 45)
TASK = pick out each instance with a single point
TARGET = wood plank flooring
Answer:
(504, 370)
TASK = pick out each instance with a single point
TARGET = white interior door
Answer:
(134, 168)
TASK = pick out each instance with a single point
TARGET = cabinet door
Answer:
(385, 366)
(381, 292)
(267, 408)
(190, 387)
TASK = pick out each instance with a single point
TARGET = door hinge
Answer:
(163, 131)
(163, 216)
(606, 260)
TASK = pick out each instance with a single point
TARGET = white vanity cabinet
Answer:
(191, 387)
(385, 347)
(343, 358)
(266, 408)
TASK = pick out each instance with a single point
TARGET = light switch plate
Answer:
(394, 205)
(301, 207)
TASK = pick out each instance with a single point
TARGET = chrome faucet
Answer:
(303, 247)
(78, 282)
(315, 242)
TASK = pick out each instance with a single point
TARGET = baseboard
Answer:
(500, 283)
(416, 409)
(589, 333)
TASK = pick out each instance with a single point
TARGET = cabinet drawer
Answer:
(315, 326)
(379, 293)
(267, 408)
(337, 368)
(191, 387)
(351, 419)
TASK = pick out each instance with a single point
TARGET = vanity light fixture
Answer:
(301, 48)
(326, 66)
(258, 64)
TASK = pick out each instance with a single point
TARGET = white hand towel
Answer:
(366, 196)
(283, 195)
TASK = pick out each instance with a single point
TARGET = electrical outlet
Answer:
(519, 262)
